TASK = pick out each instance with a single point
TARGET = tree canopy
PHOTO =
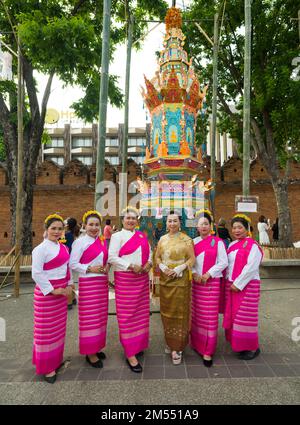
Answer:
(64, 37)
(275, 96)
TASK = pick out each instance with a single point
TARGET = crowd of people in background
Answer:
(217, 272)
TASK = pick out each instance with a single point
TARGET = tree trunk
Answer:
(267, 155)
(280, 187)
(29, 163)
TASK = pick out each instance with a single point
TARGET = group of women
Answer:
(193, 274)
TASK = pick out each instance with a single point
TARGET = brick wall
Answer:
(70, 191)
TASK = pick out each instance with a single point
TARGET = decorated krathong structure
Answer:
(173, 162)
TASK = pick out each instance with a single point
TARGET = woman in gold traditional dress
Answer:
(175, 258)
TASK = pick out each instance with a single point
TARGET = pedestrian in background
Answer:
(107, 231)
(71, 233)
(263, 226)
(223, 232)
(275, 230)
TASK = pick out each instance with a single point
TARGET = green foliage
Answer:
(275, 42)
(46, 139)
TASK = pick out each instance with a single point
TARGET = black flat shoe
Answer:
(98, 364)
(50, 379)
(140, 354)
(207, 363)
(137, 368)
(239, 353)
(249, 355)
(101, 355)
(60, 367)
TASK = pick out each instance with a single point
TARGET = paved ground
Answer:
(272, 378)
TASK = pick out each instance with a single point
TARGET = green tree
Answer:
(275, 96)
(63, 38)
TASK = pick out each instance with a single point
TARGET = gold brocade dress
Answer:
(175, 293)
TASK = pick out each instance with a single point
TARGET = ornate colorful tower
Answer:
(173, 98)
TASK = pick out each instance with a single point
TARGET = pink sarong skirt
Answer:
(133, 309)
(241, 316)
(92, 313)
(205, 313)
(50, 320)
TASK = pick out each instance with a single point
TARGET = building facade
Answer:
(67, 144)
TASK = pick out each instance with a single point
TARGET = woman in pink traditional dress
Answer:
(242, 290)
(211, 260)
(89, 258)
(50, 272)
(130, 254)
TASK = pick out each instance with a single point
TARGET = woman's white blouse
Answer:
(251, 269)
(42, 254)
(122, 263)
(78, 248)
(221, 263)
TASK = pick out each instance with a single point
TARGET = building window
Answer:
(138, 159)
(59, 160)
(82, 142)
(112, 142)
(56, 142)
(141, 141)
(86, 160)
(113, 160)
(133, 141)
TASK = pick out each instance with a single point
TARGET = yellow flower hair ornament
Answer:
(53, 216)
(91, 212)
(130, 209)
(244, 216)
(204, 212)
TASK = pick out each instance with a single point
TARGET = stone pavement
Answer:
(271, 378)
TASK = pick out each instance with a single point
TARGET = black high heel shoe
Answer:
(98, 364)
(50, 379)
(208, 363)
(249, 355)
(137, 368)
(101, 355)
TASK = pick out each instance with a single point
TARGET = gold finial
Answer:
(173, 18)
